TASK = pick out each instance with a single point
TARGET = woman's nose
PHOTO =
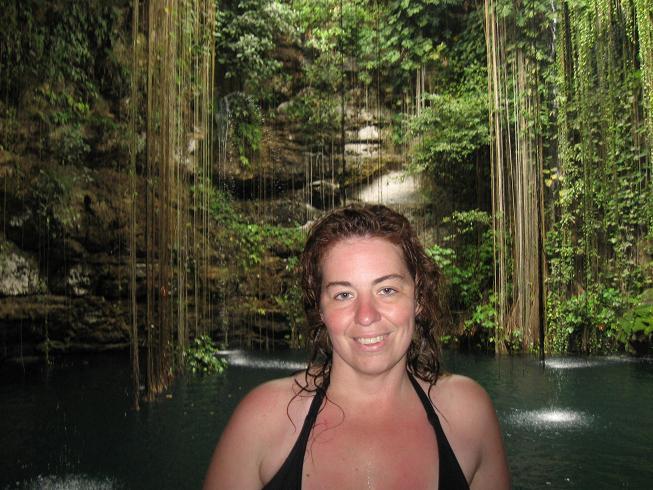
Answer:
(366, 311)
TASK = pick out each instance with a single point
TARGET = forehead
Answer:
(363, 252)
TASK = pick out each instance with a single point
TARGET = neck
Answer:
(353, 388)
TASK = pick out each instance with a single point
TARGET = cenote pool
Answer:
(576, 423)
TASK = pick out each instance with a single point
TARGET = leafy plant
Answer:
(247, 125)
(290, 300)
(201, 356)
(465, 257)
(466, 261)
(249, 242)
(246, 34)
(450, 130)
(484, 317)
(52, 195)
(636, 325)
(62, 43)
(585, 322)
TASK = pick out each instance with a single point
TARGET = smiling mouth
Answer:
(370, 340)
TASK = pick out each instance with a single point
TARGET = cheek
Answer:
(335, 319)
(404, 315)
(330, 317)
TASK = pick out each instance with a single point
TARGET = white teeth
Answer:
(370, 340)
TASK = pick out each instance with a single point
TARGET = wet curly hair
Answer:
(378, 221)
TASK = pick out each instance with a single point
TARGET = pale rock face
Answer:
(19, 275)
(79, 280)
(362, 150)
(368, 133)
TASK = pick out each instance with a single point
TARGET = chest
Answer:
(371, 453)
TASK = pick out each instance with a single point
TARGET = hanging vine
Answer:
(516, 85)
(601, 185)
(179, 89)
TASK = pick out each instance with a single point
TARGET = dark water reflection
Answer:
(577, 423)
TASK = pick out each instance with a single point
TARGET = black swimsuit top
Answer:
(289, 476)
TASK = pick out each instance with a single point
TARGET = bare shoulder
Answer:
(263, 401)
(461, 395)
(470, 422)
(264, 419)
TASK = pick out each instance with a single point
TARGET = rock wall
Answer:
(64, 262)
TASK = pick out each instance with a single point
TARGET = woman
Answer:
(362, 414)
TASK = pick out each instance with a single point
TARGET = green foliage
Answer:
(318, 114)
(484, 316)
(451, 133)
(450, 130)
(636, 324)
(247, 124)
(411, 32)
(246, 34)
(58, 60)
(467, 262)
(253, 241)
(329, 46)
(585, 322)
(386, 41)
(290, 301)
(201, 357)
(51, 193)
(69, 146)
(62, 43)
(250, 242)
(330, 30)
(600, 201)
(252, 249)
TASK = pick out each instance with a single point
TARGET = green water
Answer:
(578, 423)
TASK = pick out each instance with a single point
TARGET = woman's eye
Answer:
(343, 296)
(388, 291)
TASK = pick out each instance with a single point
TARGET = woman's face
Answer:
(367, 304)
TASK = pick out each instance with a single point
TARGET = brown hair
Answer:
(364, 220)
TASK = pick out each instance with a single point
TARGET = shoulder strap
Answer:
(289, 476)
(451, 474)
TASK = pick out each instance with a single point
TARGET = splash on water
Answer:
(582, 362)
(571, 363)
(550, 418)
(67, 482)
(243, 359)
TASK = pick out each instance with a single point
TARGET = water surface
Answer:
(575, 423)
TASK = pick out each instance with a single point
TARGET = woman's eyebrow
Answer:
(346, 284)
(375, 281)
(388, 277)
